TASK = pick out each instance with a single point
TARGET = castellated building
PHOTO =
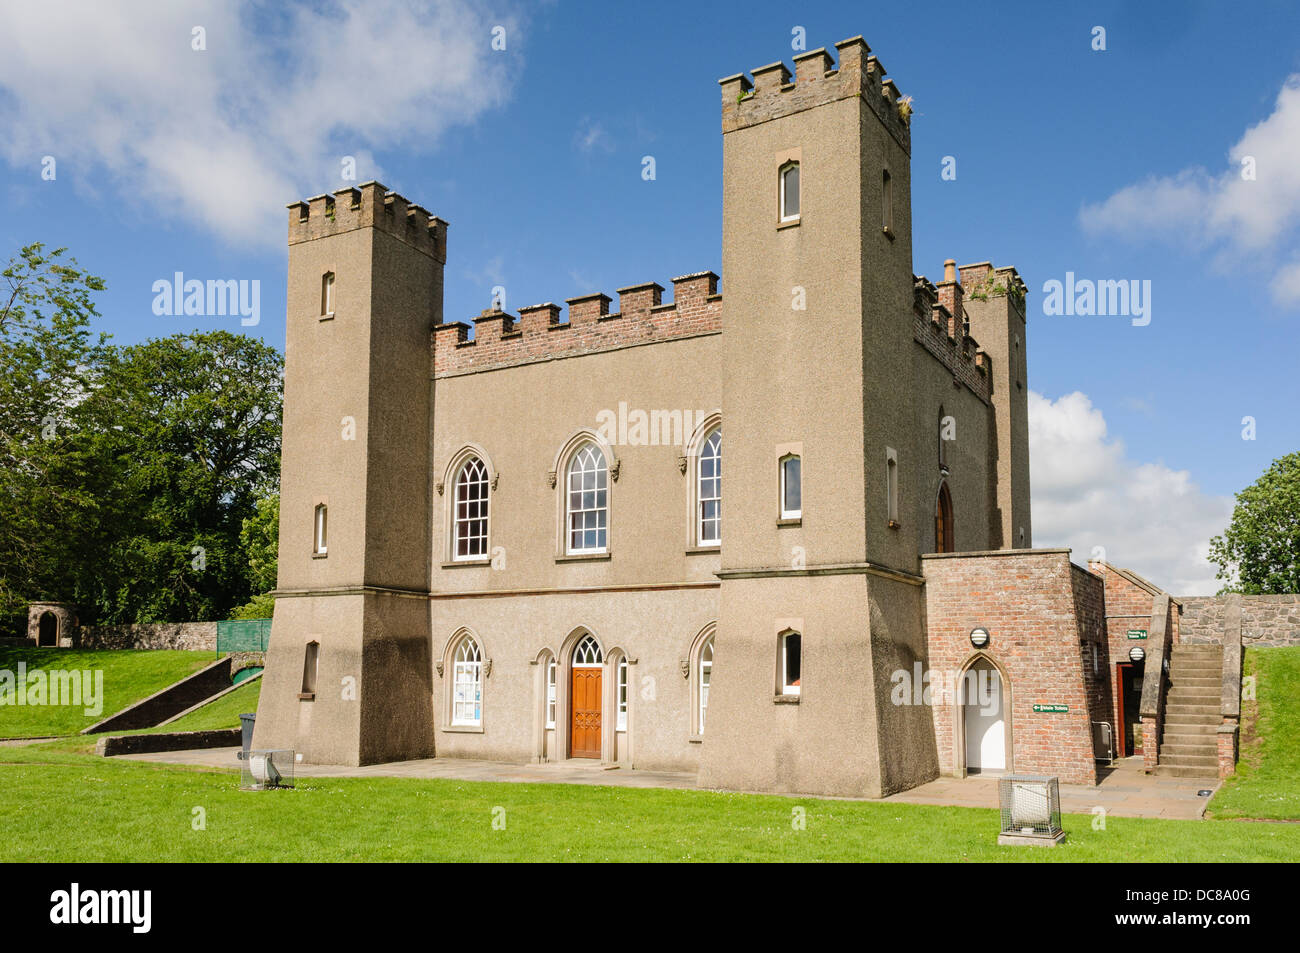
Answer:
(755, 531)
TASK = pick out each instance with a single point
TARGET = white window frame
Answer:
(588, 653)
(320, 530)
(621, 694)
(467, 670)
(460, 484)
(788, 689)
(705, 672)
(785, 169)
(601, 478)
(327, 295)
(552, 672)
(781, 464)
(712, 438)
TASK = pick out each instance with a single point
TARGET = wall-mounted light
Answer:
(979, 638)
(1137, 653)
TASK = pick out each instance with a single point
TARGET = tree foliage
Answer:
(1259, 552)
(129, 472)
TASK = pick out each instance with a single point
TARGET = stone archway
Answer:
(51, 625)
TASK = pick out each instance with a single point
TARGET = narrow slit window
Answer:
(891, 485)
(321, 530)
(310, 665)
(791, 488)
(327, 293)
(887, 202)
(706, 674)
(791, 651)
(789, 188)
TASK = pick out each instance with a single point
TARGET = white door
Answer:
(985, 718)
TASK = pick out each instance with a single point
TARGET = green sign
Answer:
(1137, 633)
(1052, 708)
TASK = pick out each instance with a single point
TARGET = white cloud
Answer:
(1087, 492)
(264, 115)
(1243, 219)
(590, 136)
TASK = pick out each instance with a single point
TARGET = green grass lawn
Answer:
(128, 677)
(1267, 782)
(77, 808)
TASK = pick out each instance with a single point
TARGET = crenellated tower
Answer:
(817, 365)
(348, 667)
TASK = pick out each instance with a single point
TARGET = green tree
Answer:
(260, 537)
(191, 426)
(49, 357)
(1259, 552)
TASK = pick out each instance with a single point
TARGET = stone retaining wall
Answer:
(191, 636)
(1265, 620)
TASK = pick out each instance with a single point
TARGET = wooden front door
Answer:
(584, 718)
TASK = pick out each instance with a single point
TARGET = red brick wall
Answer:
(1033, 604)
(501, 340)
(1128, 606)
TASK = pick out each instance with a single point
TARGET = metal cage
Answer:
(1031, 809)
(267, 770)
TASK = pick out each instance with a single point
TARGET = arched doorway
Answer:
(984, 718)
(586, 695)
(49, 630)
(943, 537)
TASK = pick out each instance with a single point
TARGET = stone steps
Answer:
(1176, 771)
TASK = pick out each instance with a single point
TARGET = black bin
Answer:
(246, 726)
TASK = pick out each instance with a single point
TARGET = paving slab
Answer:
(1124, 791)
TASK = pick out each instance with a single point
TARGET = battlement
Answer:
(537, 334)
(369, 205)
(939, 324)
(817, 81)
(982, 280)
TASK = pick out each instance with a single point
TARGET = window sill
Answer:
(790, 521)
(306, 696)
(327, 317)
(695, 739)
(476, 561)
(465, 729)
(704, 550)
(786, 699)
(790, 223)
(889, 232)
(583, 557)
(894, 524)
(320, 555)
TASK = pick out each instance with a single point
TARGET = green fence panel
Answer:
(245, 635)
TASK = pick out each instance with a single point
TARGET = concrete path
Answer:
(1125, 791)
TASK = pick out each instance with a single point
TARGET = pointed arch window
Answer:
(706, 675)
(588, 652)
(709, 490)
(587, 506)
(471, 511)
(943, 529)
(467, 683)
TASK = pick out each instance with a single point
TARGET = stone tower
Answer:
(817, 363)
(348, 668)
(995, 305)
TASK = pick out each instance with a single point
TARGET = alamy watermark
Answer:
(652, 428)
(217, 297)
(1085, 297)
(55, 687)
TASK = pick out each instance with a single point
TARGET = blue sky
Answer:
(1114, 164)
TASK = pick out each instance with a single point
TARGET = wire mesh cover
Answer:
(1031, 805)
(267, 770)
